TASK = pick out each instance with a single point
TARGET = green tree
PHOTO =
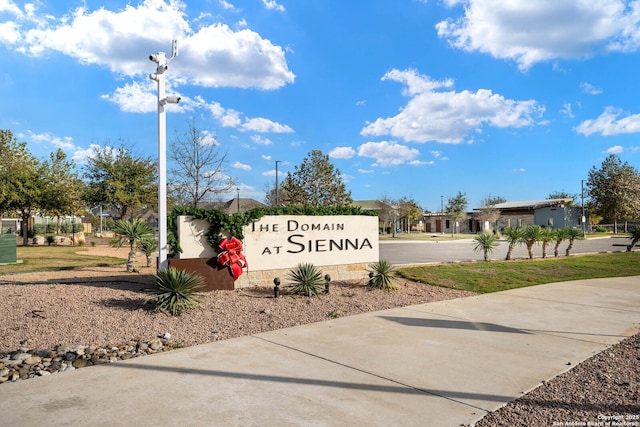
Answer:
(198, 171)
(456, 208)
(563, 195)
(409, 210)
(20, 180)
(122, 180)
(614, 189)
(316, 182)
(485, 242)
(62, 192)
(132, 232)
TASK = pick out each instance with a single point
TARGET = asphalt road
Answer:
(420, 252)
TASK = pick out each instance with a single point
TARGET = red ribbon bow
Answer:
(232, 256)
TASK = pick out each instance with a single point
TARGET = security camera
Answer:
(153, 58)
(162, 68)
(170, 100)
(153, 76)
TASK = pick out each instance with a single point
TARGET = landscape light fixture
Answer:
(161, 59)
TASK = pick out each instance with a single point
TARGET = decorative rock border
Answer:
(26, 362)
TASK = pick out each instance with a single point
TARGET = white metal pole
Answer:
(162, 165)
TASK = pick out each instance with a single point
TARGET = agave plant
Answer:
(382, 272)
(306, 279)
(634, 236)
(148, 247)
(175, 291)
(485, 243)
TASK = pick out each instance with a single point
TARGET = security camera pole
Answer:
(161, 59)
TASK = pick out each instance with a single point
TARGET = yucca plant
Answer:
(530, 236)
(148, 247)
(546, 237)
(382, 274)
(513, 236)
(572, 234)
(175, 291)
(560, 236)
(306, 279)
(485, 243)
(634, 236)
(132, 232)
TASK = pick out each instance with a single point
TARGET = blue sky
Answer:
(416, 98)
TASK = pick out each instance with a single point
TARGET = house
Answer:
(548, 213)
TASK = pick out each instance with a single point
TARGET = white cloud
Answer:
(590, 89)
(421, 163)
(616, 149)
(342, 153)
(265, 157)
(273, 5)
(365, 171)
(608, 124)
(65, 143)
(261, 140)
(388, 153)
(134, 97)
(263, 125)
(211, 55)
(227, 5)
(567, 110)
(520, 170)
(208, 137)
(448, 116)
(529, 32)
(232, 118)
(242, 166)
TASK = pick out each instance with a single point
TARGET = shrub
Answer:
(306, 279)
(602, 230)
(175, 291)
(51, 240)
(382, 274)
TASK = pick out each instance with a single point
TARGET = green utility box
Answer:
(8, 248)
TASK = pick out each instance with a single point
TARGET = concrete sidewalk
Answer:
(439, 364)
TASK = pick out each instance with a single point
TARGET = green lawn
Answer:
(41, 258)
(494, 276)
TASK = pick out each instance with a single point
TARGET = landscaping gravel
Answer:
(103, 313)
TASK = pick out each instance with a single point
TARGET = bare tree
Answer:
(487, 211)
(199, 165)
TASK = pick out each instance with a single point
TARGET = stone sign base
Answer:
(265, 278)
(216, 276)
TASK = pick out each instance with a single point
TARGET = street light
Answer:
(583, 219)
(238, 190)
(442, 214)
(161, 59)
(277, 161)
